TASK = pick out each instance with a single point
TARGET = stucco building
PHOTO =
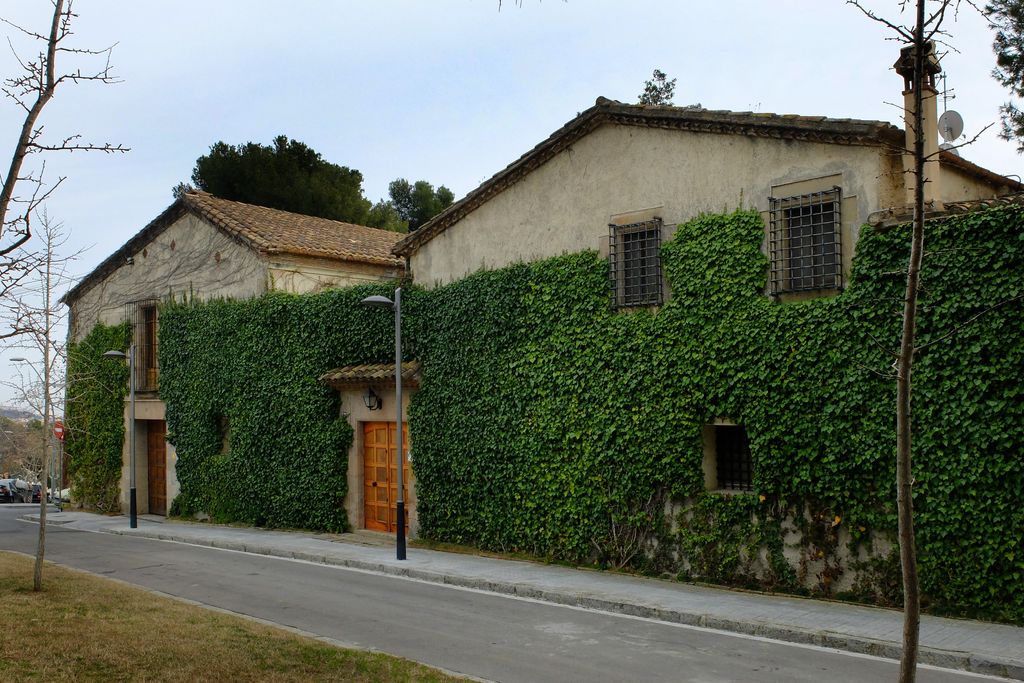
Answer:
(203, 247)
(632, 165)
(618, 179)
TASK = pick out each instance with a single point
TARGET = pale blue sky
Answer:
(450, 91)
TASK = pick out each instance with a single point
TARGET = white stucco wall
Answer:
(301, 276)
(564, 206)
(190, 258)
(957, 186)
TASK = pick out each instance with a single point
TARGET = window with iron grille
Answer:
(143, 318)
(634, 256)
(732, 456)
(805, 242)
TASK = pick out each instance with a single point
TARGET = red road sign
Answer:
(58, 430)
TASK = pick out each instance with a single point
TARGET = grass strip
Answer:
(86, 628)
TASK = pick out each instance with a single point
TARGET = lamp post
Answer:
(396, 305)
(133, 518)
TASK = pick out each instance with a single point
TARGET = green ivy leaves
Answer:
(259, 438)
(95, 417)
(548, 424)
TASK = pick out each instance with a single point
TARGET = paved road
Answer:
(483, 635)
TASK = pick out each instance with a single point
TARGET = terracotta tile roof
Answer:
(272, 231)
(695, 119)
(373, 373)
(267, 231)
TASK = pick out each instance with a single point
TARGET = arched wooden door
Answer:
(380, 474)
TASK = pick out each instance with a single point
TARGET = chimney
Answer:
(905, 67)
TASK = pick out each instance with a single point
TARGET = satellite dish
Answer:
(948, 147)
(951, 125)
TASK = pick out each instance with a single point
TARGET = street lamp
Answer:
(396, 305)
(133, 518)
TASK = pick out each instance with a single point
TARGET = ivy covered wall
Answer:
(259, 439)
(95, 417)
(548, 424)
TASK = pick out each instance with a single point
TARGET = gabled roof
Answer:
(695, 119)
(270, 232)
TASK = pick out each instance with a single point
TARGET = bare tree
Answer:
(919, 67)
(519, 3)
(41, 387)
(23, 189)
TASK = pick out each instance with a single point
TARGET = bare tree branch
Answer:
(881, 347)
(884, 375)
(37, 311)
(32, 89)
(903, 32)
(962, 144)
(958, 328)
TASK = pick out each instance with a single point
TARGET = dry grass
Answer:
(85, 628)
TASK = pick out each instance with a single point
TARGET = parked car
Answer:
(15, 491)
(37, 493)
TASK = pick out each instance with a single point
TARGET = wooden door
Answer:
(380, 474)
(156, 456)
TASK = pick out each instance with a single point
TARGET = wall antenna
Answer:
(951, 124)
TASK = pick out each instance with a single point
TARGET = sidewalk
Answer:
(954, 643)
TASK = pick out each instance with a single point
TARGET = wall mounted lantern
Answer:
(371, 399)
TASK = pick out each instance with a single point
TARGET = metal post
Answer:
(400, 541)
(133, 519)
(59, 469)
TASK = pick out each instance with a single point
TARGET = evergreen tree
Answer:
(418, 202)
(658, 90)
(385, 216)
(1007, 18)
(285, 175)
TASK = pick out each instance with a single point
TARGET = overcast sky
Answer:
(449, 91)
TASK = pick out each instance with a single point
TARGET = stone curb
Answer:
(950, 659)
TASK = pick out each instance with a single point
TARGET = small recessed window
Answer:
(727, 461)
(634, 257)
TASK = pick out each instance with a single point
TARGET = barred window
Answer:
(805, 242)
(732, 457)
(634, 256)
(143, 318)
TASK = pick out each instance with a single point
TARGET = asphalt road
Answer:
(483, 635)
